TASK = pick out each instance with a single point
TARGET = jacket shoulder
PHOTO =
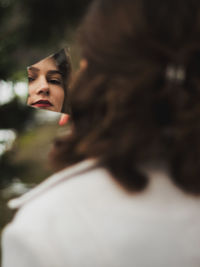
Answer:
(51, 182)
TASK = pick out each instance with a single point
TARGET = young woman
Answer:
(48, 83)
(133, 196)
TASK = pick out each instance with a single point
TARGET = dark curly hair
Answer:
(63, 62)
(125, 110)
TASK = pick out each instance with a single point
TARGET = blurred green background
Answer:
(29, 31)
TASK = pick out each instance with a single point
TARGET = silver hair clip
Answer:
(175, 74)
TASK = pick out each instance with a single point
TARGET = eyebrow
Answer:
(33, 69)
(50, 72)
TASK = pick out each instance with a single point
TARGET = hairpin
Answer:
(175, 73)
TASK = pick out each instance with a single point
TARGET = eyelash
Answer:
(52, 81)
(30, 79)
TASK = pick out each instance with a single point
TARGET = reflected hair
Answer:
(63, 63)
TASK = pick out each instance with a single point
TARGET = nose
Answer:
(43, 87)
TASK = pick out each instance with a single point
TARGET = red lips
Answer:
(42, 104)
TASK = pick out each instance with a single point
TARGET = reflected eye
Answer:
(30, 79)
(55, 81)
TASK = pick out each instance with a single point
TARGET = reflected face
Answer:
(46, 89)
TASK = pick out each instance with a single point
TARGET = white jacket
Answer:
(80, 217)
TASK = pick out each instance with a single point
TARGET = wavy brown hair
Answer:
(125, 110)
(63, 62)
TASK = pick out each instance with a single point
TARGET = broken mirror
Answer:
(48, 82)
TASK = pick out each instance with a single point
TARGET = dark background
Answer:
(29, 31)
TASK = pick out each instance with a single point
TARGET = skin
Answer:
(45, 85)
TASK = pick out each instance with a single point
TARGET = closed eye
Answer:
(30, 79)
(55, 81)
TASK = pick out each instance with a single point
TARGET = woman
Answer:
(48, 83)
(132, 199)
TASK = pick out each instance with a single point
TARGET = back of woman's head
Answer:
(138, 99)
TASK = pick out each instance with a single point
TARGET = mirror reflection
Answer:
(48, 82)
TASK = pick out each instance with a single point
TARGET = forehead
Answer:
(44, 65)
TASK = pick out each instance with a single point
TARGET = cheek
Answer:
(58, 94)
(32, 88)
(30, 93)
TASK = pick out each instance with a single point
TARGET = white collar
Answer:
(52, 181)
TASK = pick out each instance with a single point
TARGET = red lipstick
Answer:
(42, 104)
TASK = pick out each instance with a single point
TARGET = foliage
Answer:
(15, 115)
(31, 30)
